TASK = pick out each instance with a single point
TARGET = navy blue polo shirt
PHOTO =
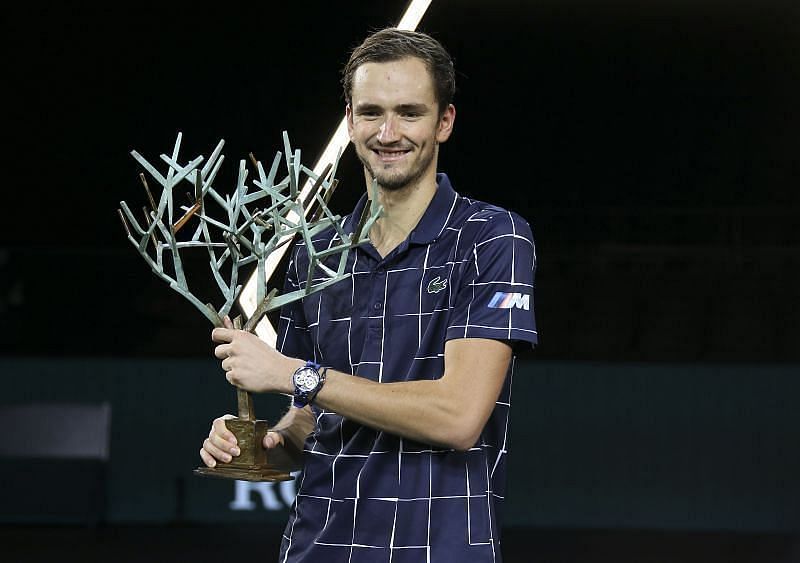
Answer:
(465, 271)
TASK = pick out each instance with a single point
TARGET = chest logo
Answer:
(436, 285)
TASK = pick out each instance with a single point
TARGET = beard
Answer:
(396, 180)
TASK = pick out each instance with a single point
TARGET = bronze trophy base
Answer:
(252, 463)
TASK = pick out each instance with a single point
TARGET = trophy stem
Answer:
(245, 400)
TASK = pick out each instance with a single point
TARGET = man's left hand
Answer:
(250, 363)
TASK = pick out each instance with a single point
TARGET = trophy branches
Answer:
(237, 230)
(252, 221)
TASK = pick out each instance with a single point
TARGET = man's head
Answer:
(393, 44)
(398, 111)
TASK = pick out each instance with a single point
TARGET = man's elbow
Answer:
(463, 436)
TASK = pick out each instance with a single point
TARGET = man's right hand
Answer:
(221, 445)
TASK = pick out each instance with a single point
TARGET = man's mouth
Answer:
(390, 155)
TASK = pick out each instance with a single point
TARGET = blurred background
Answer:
(651, 144)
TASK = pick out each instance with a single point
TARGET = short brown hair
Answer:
(392, 44)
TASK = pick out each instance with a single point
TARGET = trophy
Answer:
(237, 230)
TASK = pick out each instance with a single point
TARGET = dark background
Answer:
(651, 145)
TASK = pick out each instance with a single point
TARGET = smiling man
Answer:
(396, 123)
(400, 375)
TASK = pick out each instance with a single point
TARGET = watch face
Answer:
(306, 379)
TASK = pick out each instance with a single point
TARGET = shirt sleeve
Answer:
(495, 293)
(294, 337)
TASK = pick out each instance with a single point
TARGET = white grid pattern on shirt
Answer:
(356, 361)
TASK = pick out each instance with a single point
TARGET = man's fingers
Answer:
(222, 334)
(210, 447)
(218, 427)
(225, 446)
(227, 322)
(220, 444)
(222, 351)
(207, 459)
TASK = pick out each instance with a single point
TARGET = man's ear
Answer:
(446, 122)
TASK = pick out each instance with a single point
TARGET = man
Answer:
(402, 422)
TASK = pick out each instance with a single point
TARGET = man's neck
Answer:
(402, 211)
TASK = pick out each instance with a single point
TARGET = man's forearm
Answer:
(449, 411)
(294, 427)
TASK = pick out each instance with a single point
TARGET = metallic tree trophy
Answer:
(251, 222)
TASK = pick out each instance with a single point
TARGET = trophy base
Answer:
(244, 474)
(252, 464)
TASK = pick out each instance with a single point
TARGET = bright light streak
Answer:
(413, 15)
(338, 141)
(247, 299)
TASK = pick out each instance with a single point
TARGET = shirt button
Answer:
(377, 306)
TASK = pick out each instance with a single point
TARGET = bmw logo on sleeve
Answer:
(503, 300)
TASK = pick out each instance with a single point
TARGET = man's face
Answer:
(394, 124)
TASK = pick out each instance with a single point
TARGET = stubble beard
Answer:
(397, 182)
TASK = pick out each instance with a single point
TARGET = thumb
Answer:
(227, 322)
(273, 439)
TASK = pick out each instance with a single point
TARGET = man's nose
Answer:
(387, 133)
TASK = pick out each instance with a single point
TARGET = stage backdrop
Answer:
(665, 446)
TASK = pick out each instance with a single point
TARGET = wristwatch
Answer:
(308, 380)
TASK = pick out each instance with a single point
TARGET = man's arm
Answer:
(451, 408)
(448, 411)
(290, 433)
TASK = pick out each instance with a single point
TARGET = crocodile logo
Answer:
(436, 285)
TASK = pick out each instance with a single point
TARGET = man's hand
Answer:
(221, 445)
(250, 363)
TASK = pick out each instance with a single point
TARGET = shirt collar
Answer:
(433, 221)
